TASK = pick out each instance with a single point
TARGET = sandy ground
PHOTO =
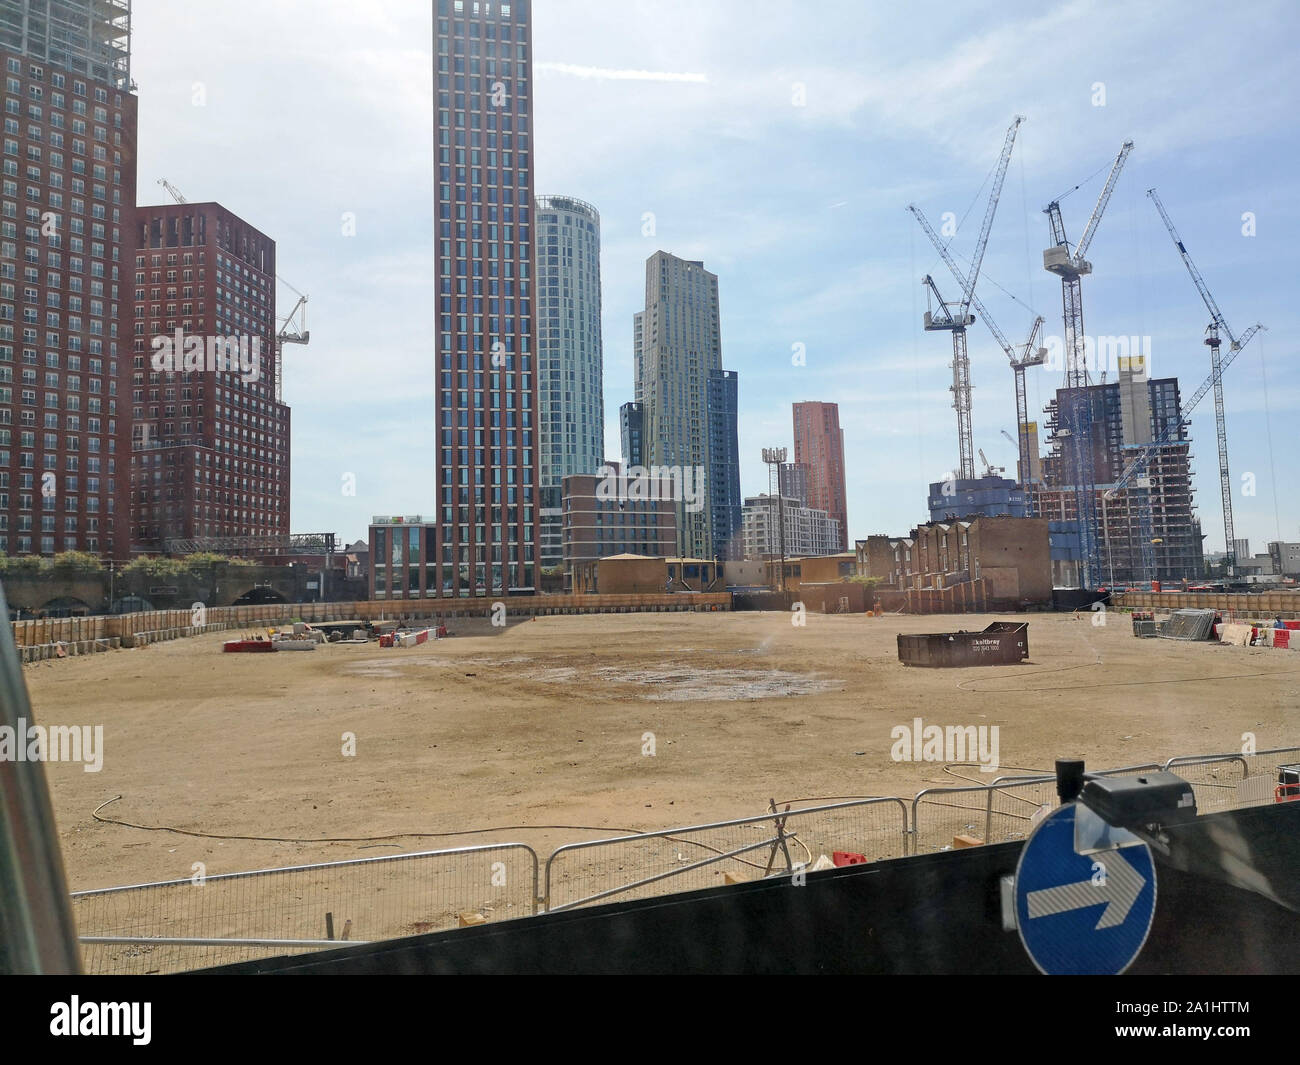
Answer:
(543, 724)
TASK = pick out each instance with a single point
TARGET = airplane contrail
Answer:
(609, 74)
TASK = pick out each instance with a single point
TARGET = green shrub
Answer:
(77, 563)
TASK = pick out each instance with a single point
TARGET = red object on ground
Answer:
(848, 858)
(386, 640)
(1281, 637)
(254, 646)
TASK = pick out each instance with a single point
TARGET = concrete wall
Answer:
(828, 598)
(1014, 558)
(632, 576)
(818, 569)
(751, 573)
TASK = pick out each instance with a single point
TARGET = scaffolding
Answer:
(91, 38)
(1173, 546)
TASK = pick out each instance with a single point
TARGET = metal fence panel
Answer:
(243, 916)
(1233, 781)
(179, 925)
(990, 813)
(998, 812)
(700, 856)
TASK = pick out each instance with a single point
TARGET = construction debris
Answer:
(1187, 625)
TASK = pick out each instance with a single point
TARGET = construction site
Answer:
(1116, 481)
(552, 732)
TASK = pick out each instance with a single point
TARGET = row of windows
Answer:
(37, 73)
(24, 544)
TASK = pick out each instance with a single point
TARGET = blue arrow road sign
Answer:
(1082, 913)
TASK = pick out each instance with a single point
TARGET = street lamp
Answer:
(774, 457)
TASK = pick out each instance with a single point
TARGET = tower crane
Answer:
(1070, 267)
(1213, 340)
(1137, 468)
(291, 329)
(955, 316)
(1026, 355)
(989, 469)
(172, 190)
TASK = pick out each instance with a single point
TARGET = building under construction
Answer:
(1122, 418)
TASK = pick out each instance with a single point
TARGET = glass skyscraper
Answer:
(569, 354)
(688, 404)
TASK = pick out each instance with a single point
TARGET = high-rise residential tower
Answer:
(677, 346)
(725, 518)
(487, 409)
(793, 480)
(68, 193)
(819, 445)
(631, 433)
(210, 447)
(569, 361)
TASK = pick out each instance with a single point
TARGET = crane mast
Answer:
(1071, 267)
(1029, 356)
(954, 317)
(1213, 340)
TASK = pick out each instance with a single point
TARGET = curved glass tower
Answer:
(570, 361)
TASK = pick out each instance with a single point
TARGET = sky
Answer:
(780, 143)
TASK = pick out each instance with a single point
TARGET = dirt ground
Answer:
(499, 735)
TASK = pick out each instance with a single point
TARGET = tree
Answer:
(23, 565)
(77, 564)
(155, 569)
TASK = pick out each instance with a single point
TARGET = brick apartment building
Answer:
(210, 454)
(403, 558)
(1010, 554)
(67, 194)
(593, 527)
(819, 445)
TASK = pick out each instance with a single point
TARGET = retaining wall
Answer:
(46, 638)
(1263, 605)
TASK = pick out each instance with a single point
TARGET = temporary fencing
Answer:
(1188, 625)
(1233, 781)
(176, 925)
(1002, 811)
(700, 856)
